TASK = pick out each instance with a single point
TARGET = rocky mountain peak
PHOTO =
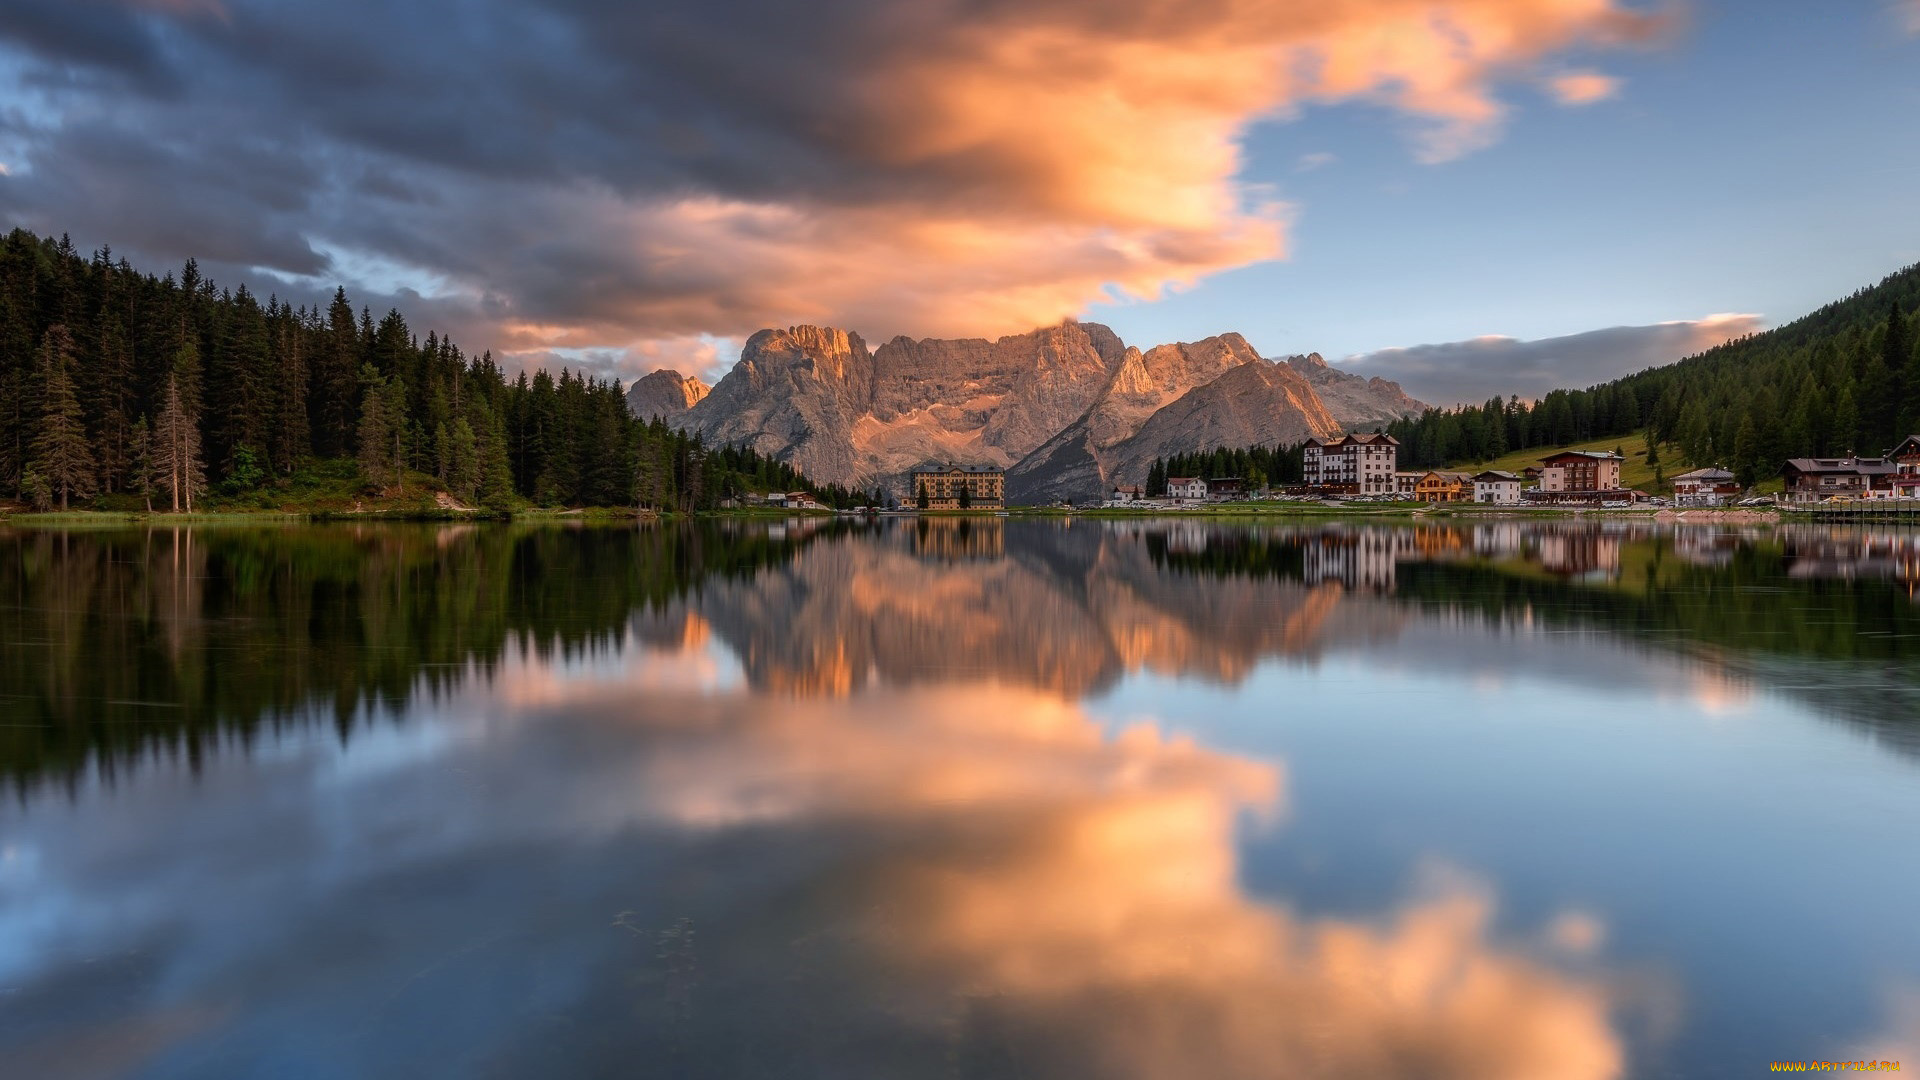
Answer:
(1063, 406)
(664, 393)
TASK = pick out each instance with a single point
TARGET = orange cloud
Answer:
(1027, 160)
(1584, 87)
(679, 168)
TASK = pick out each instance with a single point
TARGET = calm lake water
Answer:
(958, 798)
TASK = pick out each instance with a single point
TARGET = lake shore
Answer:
(1212, 512)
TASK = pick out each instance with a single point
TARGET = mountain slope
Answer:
(1072, 465)
(1843, 379)
(665, 394)
(816, 397)
(1058, 406)
(1356, 402)
(1261, 403)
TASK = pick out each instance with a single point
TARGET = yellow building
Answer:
(1443, 487)
(942, 487)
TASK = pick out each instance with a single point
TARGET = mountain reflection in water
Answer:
(819, 799)
(122, 641)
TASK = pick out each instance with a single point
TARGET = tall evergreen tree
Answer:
(176, 443)
(140, 470)
(62, 457)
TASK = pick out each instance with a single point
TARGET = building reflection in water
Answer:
(860, 754)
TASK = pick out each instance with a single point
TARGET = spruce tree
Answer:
(377, 431)
(1746, 452)
(176, 442)
(61, 456)
(463, 466)
(1846, 422)
(140, 470)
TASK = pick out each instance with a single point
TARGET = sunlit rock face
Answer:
(1257, 403)
(1076, 463)
(796, 395)
(1059, 406)
(819, 399)
(664, 394)
(1356, 402)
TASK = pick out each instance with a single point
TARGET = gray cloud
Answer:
(1458, 372)
(593, 174)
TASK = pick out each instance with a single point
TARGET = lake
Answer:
(958, 798)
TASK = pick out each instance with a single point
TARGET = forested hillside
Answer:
(1845, 379)
(127, 390)
(1257, 465)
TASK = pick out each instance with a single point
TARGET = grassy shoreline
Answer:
(1223, 511)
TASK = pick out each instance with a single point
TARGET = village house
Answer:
(1494, 486)
(1443, 487)
(793, 500)
(1906, 464)
(1226, 488)
(1705, 487)
(943, 487)
(1125, 496)
(1818, 479)
(1187, 488)
(1361, 464)
(1404, 483)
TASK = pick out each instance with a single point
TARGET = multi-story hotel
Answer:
(1351, 465)
(942, 487)
(1581, 470)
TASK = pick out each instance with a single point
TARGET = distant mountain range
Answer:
(1067, 410)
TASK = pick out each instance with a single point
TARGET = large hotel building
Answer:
(942, 486)
(1352, 465)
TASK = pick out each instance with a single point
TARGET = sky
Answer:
(1476, 197)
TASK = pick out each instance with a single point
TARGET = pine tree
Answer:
(291, 439)
(1846, 421)
(1895, 345)
(463, 465)
(377, 431)
(1746, 452)
(109, 389)
(140, 474)
(61, 455)
(176, 442)
(495, 479)
(336, 380)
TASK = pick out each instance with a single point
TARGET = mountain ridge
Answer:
(1063, 408)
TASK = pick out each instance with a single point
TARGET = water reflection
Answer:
(832, 799)
(123, 642)
(917, 882)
